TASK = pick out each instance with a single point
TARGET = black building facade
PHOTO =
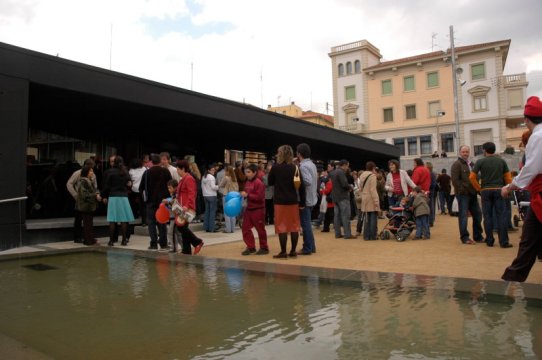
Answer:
(55, 112)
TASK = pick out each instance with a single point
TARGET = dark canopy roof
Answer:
(91, 102)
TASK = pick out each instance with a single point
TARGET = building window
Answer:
(400, 143)
(348, 68)
(410, 111)
(425, 145)
(357, 66)
(515, 99)
(351, 118)
(412, 145)
(432, 79)
(480, 102)
(341, 70)
(478, 71)
(386, 87)
(388, 115)
(447, 141)
(433, 108)
(350, 93)
(408, 83)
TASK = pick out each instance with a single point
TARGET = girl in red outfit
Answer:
(326, 189)
(254, 215)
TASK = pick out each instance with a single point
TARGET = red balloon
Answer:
(162, 214)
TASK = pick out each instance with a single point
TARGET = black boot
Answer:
(125, 234)
(112, 234)
(295, 237)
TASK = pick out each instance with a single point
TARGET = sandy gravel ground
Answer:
(442, 255)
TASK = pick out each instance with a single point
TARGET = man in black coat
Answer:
(154, 186)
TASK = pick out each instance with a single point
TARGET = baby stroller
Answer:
(522, 199)
(400, 225)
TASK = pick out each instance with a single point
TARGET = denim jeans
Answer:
(492, 199)
(507, 214)
(342, 217)
(466, 204)
(159, 236)
(306, 226)
(432, 207)
(369, 225)
(229, 222)
(210, 213)
(445, 202)
(422, 226)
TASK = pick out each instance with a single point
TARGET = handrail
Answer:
(14, 199)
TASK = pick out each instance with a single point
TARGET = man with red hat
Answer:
(530, 177)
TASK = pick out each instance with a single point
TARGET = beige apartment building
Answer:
(294, 110)
(409, 102)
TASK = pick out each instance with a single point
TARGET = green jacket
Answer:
(86, 196)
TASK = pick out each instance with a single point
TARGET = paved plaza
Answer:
(442, 255)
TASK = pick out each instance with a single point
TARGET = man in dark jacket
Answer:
(154, 184)
(445, 188)
(467, 198)
(341, 198)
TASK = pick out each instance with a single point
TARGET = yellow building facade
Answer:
(409, 102)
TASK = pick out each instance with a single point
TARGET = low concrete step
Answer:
(64, 223)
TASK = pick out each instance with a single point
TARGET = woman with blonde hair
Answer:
(228, 184)
(287, 200)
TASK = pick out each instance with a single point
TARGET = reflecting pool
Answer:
(116, 305)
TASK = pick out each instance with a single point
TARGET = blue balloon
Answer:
(233, 206)
(232, 195)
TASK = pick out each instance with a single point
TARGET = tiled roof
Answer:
(312, 114)
(434, 54)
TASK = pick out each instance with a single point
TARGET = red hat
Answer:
(533, 107)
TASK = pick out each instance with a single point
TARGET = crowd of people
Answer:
(296, 197)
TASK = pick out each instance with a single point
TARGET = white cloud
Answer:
(286, 41)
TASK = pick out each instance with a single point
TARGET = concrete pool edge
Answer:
(475, 287)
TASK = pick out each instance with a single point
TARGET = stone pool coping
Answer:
(476, 289)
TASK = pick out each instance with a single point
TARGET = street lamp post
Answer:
(456, 106)
(440, 114)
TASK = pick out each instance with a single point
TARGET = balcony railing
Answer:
(515, 79)
(352, 45)
(353, 128)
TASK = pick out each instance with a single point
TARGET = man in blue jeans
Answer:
(309, 175)
(341, 198)
(494, 174)
(467, 198)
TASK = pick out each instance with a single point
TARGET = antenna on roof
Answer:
(111, 46)
(433, 41)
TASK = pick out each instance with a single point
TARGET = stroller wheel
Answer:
(385, 235)
(516, 220)
(402, 234)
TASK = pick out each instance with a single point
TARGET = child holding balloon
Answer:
(228, 184)
(254, 215)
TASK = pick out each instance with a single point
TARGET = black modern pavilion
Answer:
(55, 112)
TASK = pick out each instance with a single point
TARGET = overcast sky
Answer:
(259, 51)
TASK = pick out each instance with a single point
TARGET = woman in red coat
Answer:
(187, 191)
(421, 175)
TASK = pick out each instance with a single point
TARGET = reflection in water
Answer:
(140, 277)
(119, 306)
